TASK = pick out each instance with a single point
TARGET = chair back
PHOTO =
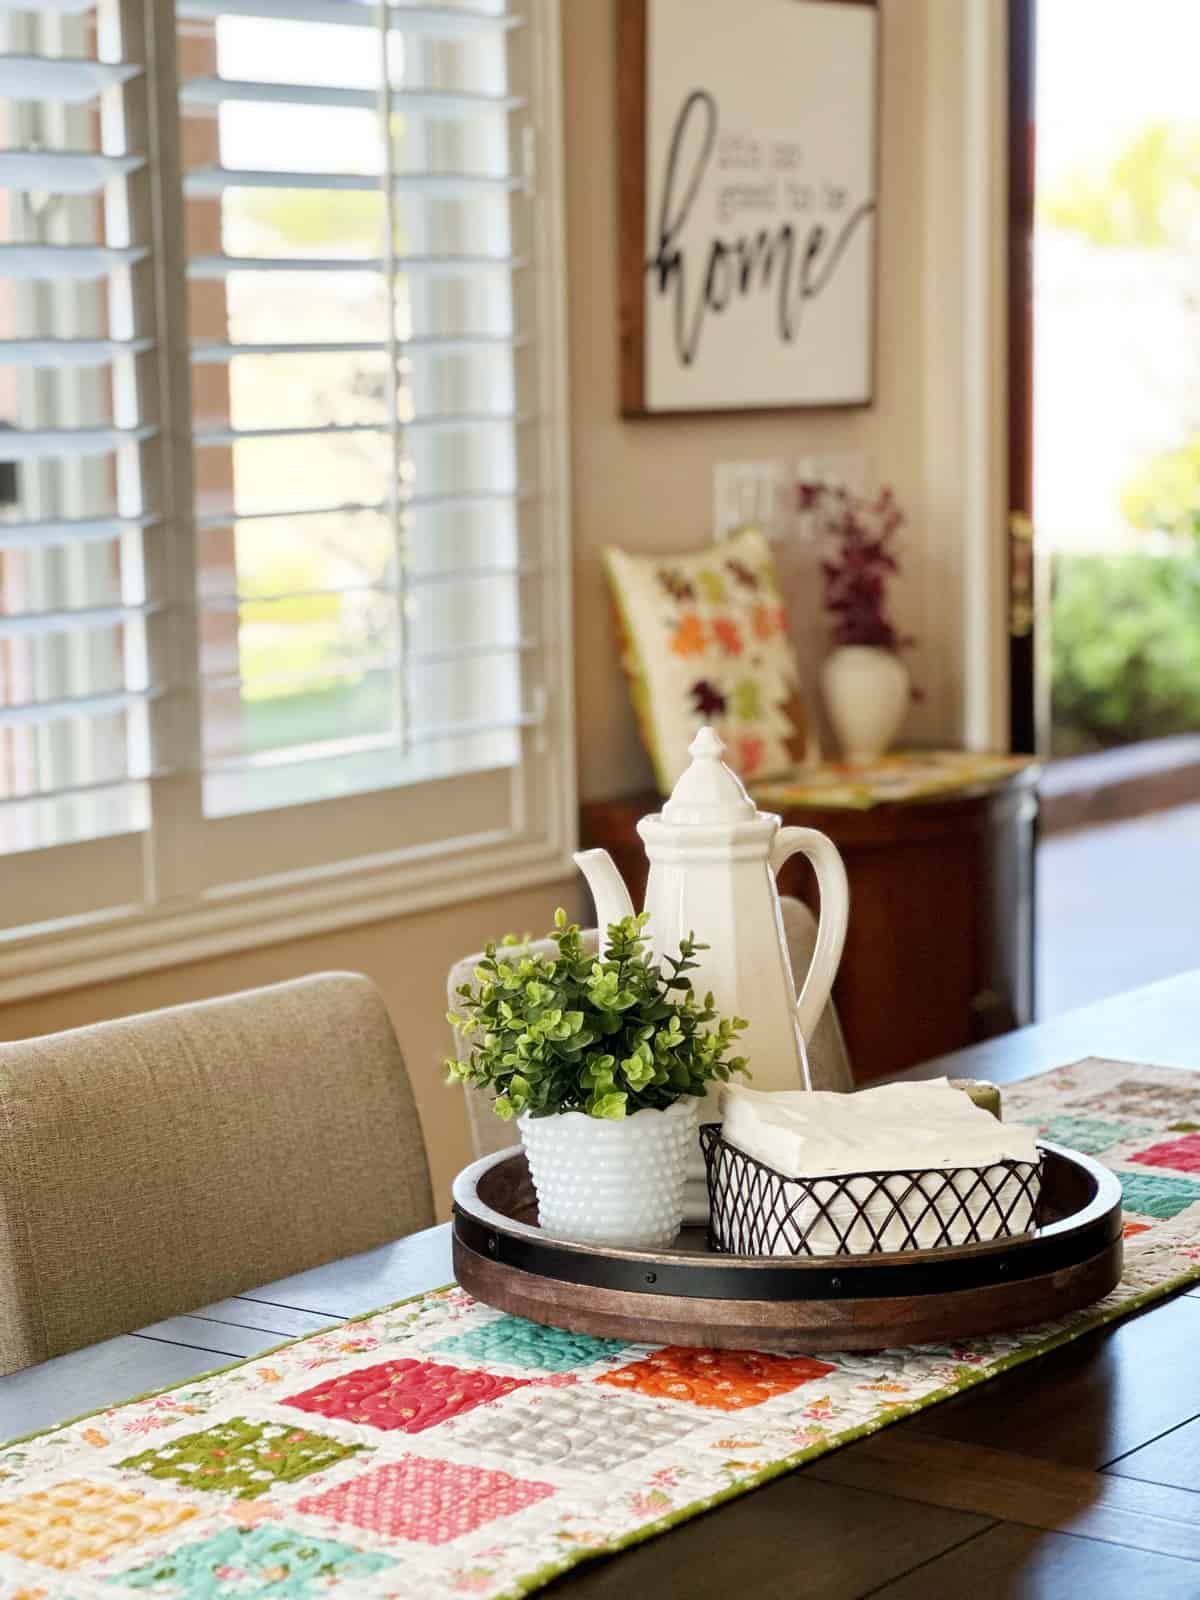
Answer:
(828, 1060)
(156, 1163)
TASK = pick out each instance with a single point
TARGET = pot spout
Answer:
(612, 898)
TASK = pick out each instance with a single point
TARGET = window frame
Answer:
(189, 911)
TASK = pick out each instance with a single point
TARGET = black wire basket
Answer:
(756, 1211)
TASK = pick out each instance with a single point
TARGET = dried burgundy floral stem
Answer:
(862, 538)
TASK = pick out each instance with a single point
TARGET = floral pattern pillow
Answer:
(704, 640)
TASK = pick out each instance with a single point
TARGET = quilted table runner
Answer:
(439, 1448)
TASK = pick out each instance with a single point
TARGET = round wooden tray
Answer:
(692, 1295)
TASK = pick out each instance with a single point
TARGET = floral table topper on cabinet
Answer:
(439, 1448)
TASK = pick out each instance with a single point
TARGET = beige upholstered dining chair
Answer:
(828, 1060)
(153, 1164)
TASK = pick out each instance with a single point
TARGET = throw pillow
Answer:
(704, 640)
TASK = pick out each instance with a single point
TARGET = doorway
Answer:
(1105, 466)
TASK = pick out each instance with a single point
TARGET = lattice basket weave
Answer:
(756, 1211)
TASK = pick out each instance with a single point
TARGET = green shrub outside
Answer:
(1125, 646)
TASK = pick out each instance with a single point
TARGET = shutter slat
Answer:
(82, 262)
(209, 182)
(339, 749)
(63, 171)
(17, 624)
(72, 79)
(66, 8)
(72, 791)
(415, 580)
(210, 352)
(35, 444)
(226, 516)
(208, 437)
(439, 21)
(366, 666)
(88, 705)
(68, 352)
(221, 91)
(69, 530)
(205, 268)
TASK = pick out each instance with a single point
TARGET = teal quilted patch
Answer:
(1153, 1196)
(527, 1345)
(1092, 1135)
(253, 1562)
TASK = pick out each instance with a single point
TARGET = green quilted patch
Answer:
(526, 1344)
(242, 1458)
(255, 1562)
(1153, 1196)
(1092, 1135)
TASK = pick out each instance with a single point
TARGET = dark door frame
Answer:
(1023, 618)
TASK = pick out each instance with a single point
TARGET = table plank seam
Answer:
(907, 1572)
(227, 1322)
(334, 1316)
(1165, 1434)
(186, 1344)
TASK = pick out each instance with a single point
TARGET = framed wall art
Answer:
(748, 201)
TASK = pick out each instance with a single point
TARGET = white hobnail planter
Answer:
(611, 1182)
(867, 691)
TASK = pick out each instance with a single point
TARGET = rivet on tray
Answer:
(492, 1244)
(835, 1284)
(652, 1277)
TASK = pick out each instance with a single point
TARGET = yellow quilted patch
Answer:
(73, 1522)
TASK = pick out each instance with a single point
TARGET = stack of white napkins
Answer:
(900, 1127)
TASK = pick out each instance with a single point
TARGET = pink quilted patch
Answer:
(1181, 1154)
(431, 1502)
(405, 1395)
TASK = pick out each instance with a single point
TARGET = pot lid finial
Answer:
(708, 791)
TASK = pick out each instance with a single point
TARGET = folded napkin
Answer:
(903, 1127)
(811, 1133)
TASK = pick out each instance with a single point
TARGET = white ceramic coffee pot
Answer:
(713, 859)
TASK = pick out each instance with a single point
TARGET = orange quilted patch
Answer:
(73, 1522)
(689, 638)
(727, 636)
(766, 621)
(719, 1380)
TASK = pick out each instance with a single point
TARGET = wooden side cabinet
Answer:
(939, 952)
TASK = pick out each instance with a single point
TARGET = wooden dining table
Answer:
(1075, 1475)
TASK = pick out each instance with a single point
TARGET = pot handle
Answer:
(834, 914)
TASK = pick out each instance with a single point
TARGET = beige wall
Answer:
(648, 484)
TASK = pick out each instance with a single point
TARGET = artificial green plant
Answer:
(607, 1035)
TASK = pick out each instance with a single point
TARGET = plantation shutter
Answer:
(284, 620)
(78, 475)
(373, 587)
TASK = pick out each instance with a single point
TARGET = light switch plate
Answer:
(761, 494)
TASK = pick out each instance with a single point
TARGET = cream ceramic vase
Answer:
(867, 691)
(618, 1182)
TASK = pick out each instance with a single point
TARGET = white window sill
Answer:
(120, 943)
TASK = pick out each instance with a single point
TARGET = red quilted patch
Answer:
(1181, 1154)
(430, 1501)
(406, 1395)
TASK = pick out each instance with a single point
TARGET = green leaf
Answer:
(608, 1036)
(611, 1107)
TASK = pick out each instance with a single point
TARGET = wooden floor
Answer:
(1117, 907)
